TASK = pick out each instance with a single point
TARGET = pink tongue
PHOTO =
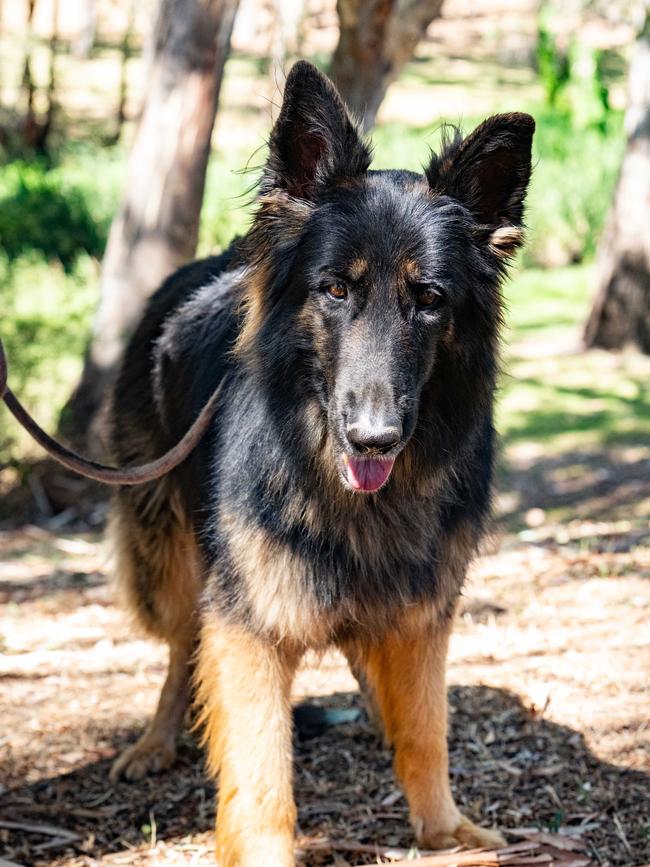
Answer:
(367, 474)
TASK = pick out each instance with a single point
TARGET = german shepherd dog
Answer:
(344, 483)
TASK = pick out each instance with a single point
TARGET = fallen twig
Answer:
(518, 855)
(392, 853)
(34, 828)
(560, 841)
(61, 836)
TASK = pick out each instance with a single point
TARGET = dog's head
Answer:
(380, 290)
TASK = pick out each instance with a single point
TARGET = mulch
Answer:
(510, 767)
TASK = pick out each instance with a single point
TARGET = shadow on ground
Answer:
(599, 485)
(508, 768)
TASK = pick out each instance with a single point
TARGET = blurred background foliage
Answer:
(565, 65)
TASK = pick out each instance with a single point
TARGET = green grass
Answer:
(547, 300)
(556, 397)
(576, 402)
(227, 205)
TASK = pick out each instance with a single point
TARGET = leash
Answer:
(101, 472)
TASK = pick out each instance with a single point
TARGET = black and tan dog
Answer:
(345, 481)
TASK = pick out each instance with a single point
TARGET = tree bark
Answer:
(377, 38)
(621, 312)
(125, 56)
(87, 23)
(156, 228)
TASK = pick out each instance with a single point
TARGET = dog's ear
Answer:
(314, 142)
(489, 173)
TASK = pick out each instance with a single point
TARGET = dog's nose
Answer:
(375, 439)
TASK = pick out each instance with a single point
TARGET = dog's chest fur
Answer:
(301, 567)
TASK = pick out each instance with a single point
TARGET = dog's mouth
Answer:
(366, 474)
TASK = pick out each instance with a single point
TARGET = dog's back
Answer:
(156, 556)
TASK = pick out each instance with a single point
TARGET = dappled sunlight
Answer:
(566, 417)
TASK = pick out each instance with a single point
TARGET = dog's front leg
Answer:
(244, 691)
(405, 675)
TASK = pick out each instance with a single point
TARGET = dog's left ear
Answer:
(489, 173)
(314, 143)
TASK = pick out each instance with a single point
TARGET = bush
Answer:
(44, 324)
(572, 186)
(229, 191)
(39, 212)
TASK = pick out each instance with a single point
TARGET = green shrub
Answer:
(571, 190)
(45, 316)
(552, 62)
(227, 202)
(40, 212)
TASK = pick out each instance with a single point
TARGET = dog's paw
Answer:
(147, 756)
(466, 834)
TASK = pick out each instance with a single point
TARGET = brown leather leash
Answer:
(101, 472)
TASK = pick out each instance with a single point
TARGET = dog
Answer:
(344, 484)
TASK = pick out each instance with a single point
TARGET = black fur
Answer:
(304, 365)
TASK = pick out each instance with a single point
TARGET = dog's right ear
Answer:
(314, 143)
(489, 173)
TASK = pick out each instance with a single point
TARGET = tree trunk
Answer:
(377, 38)
(48, 122)
(621, 311)
(30, 126)
(156, 228)
(87, 24)
(125, 56)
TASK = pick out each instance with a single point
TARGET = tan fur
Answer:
(405, 674)
(274, 580)
(505, 240)
(244, 681)
(252, 308)
(282, 606)
(411, 477)
(244, 687)
(280, 203)
(293, 213)
(357, 269)
(157, 569)
(412, 270)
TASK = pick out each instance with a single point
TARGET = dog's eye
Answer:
(337, 291)
(427, 297)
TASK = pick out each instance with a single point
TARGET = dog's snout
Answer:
(376, 438)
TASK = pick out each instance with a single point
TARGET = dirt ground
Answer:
(548, 682)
